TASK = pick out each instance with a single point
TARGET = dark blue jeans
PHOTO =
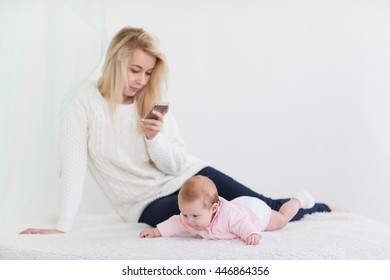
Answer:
(165, 207)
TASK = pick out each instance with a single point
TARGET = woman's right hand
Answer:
(153, 126)
(40, 231)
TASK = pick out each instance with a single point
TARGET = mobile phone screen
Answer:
(161, 107)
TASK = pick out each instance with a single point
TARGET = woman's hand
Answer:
(40, 231)
(153, 126)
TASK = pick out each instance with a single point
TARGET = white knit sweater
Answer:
(131, 170)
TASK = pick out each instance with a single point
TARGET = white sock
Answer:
(306, 200)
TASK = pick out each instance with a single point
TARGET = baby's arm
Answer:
(245, 229)
(150, 233)
(170, 227)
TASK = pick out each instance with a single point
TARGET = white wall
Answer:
(45, 46)
(281, 95)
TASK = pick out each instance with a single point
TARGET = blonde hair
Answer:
(199, 187)
(113, 81)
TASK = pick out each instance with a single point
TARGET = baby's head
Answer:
(198, 201)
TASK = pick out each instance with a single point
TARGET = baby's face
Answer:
(195, 215)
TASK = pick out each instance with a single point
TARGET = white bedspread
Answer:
(317, 236)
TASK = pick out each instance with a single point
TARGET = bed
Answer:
(321, 236)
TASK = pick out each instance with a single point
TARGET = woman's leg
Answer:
(229, 189)
(160, 210)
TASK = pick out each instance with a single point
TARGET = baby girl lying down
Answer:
(204, 213)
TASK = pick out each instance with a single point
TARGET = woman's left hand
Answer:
(40, 231)
(153, 126)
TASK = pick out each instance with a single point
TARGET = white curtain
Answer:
(45, 47)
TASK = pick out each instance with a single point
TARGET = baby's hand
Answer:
(253, 239)
(150, 233)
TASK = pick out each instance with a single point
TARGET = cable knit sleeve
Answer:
(73, 162)
(167, 148)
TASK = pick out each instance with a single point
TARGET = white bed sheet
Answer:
(319, 236)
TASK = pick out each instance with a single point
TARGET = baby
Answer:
(204, 213)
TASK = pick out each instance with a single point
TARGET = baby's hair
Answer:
(199, 187)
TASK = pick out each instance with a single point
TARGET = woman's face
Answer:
(140, 68)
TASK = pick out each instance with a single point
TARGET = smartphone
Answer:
(162, 107)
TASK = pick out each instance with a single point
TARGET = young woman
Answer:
(139, 163)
